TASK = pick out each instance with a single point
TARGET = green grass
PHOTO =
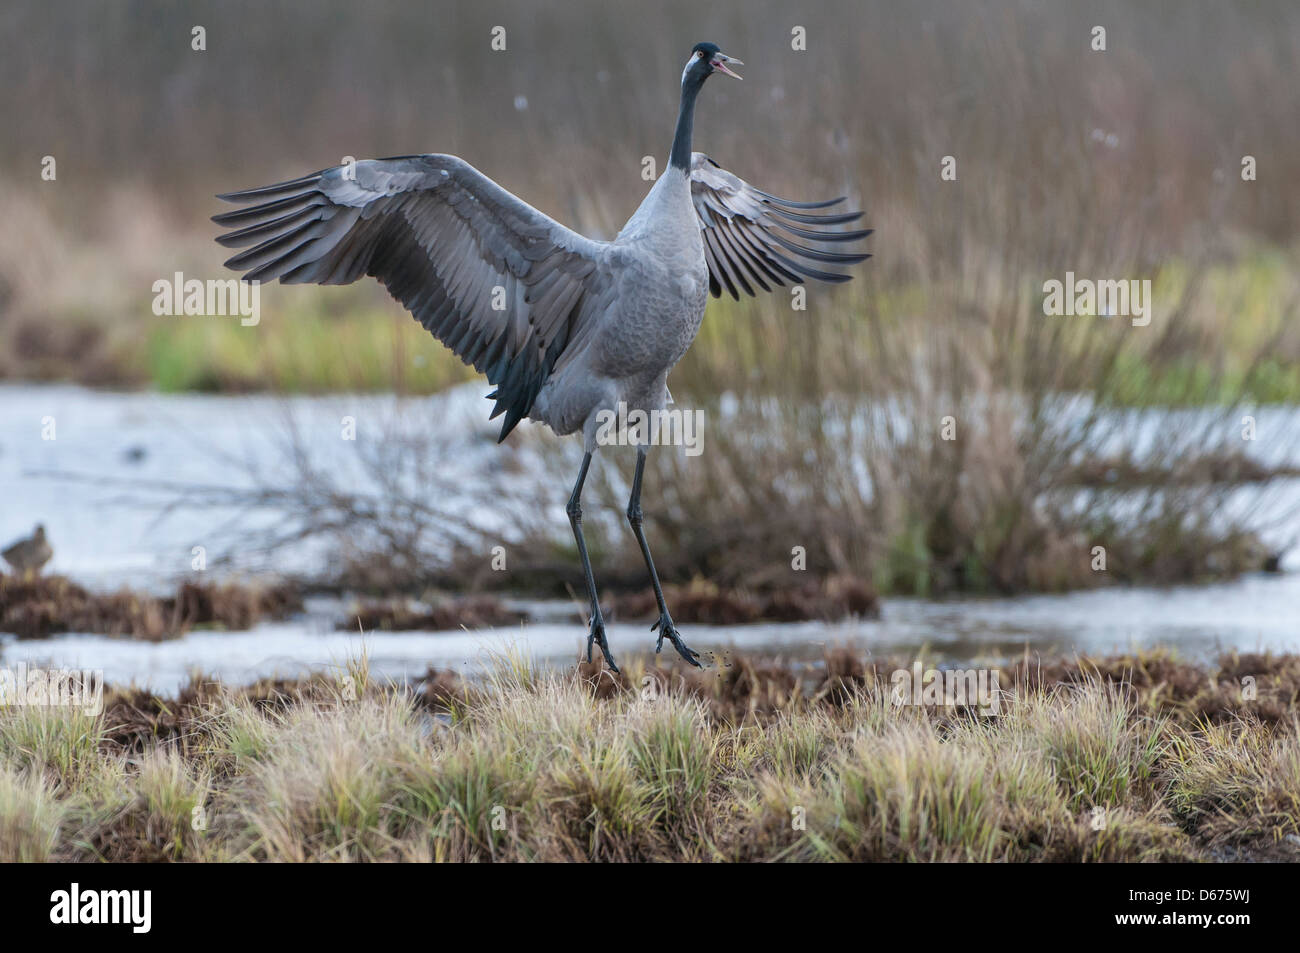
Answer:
(368, 347)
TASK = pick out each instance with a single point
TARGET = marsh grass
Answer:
(58, 743)
(1242, 784)
(1084, 763)
(1102, 752)
(31, 816)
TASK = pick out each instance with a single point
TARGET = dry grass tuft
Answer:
(768, 763)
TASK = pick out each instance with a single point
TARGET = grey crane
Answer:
(565, 327)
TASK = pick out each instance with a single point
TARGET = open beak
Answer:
(720, 61)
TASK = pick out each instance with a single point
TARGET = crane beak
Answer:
(720, 61)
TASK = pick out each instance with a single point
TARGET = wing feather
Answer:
(511, 291)
(749, 235)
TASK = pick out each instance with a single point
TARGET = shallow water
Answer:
(96, 485)
(1256, 613)
(105, 534)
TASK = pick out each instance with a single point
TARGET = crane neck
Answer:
(680, 158)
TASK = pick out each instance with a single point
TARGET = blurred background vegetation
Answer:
(1117, 164)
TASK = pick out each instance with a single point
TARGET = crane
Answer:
(563, 326)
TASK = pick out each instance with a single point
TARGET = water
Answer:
(107, 534)
(1257, 613)
(99, 485)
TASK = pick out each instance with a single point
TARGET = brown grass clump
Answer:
(1238, 783)
(471, 612)
(836, 597)
(233, 605)
(159, 815)
(1263, 687)
(40, 606)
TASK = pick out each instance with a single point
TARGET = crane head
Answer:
(706, 59)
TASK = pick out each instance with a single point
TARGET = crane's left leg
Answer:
(596, 633)
(665, 625)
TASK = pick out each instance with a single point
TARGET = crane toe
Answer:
(596, 636)
(667, 630)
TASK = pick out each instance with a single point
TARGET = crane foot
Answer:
(669, 631)
(597, 637)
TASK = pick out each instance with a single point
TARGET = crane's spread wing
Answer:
(749, 235)
(507, 288)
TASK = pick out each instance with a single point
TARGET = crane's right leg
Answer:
(574, 509)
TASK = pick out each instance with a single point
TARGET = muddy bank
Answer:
(739, 688)
(37, 607)
(404, 615)
(829, 600)
(700, 602)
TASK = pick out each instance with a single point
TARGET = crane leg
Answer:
(665, 626)
(596, 635)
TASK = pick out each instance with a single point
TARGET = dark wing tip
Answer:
(839, 218)
(789, 203)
